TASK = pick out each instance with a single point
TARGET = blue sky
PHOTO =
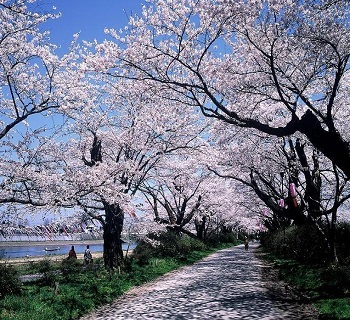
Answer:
(89, 18)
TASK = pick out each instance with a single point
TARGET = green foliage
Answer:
(179, 246)
(142, 253)
(336, 280)
(44, 266)
(71, 269)
(334, 309)
(9, 281)
(327, 286)
(185, 245)
(307, 244)
(304, 243)
(305, 277)
(228, 237)
(343, 243)
(48, 271)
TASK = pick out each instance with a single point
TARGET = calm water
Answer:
(35, 251)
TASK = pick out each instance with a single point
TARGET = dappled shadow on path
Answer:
(226, 285)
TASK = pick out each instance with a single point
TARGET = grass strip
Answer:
(327, 286)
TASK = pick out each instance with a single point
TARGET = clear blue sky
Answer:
(89, 18)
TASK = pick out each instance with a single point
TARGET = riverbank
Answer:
(43, 244)
(53, 257)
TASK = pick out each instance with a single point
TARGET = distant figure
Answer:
(72, 254)
(87, 255)
(246, 243)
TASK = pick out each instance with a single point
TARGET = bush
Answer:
(228, 237)
(307, 244)
(171, 245)
(186, 245)
(49, 274)
(70, 268)
(9, 281)
(336, 280)
(301, 243)
(142, 254)
(343, 243)
(44, 266)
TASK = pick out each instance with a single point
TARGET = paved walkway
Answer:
(226, 285)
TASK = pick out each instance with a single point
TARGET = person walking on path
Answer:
(246, 243)
(87, 255)
(228, 284)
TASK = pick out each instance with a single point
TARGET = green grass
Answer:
(327, 286)
(81, 291)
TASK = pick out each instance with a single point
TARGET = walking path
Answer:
(226, 285)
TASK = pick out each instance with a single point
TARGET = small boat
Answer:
(52, 249)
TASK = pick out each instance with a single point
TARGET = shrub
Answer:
(44, 266)
(343, 243)
(70, 268)
(171, 245)
(228, 237)
(49, 274)
(142, 254)
(186, 245)
(9, 281)
(336, 280)
(302, 243)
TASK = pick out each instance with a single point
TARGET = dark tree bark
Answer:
(200, 225)
(289, 212)
(112, 229)
(313, 182)
(330, 143)
(114, 217)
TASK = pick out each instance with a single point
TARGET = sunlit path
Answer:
(225, 285)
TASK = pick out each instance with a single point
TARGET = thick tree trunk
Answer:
(313, 182)
(331, 144)
(112, 229)
(200, 225)
(332, 238)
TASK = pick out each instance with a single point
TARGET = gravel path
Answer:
(228, 284)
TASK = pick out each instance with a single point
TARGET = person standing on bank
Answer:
(87, 255)
(72, 254)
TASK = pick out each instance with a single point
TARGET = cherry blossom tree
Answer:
(174, 194)
(31, 87)
(279, 67)
(185, 197)
(115, 138)
(289, 181)
(28, 65)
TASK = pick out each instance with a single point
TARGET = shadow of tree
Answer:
(225, 285)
